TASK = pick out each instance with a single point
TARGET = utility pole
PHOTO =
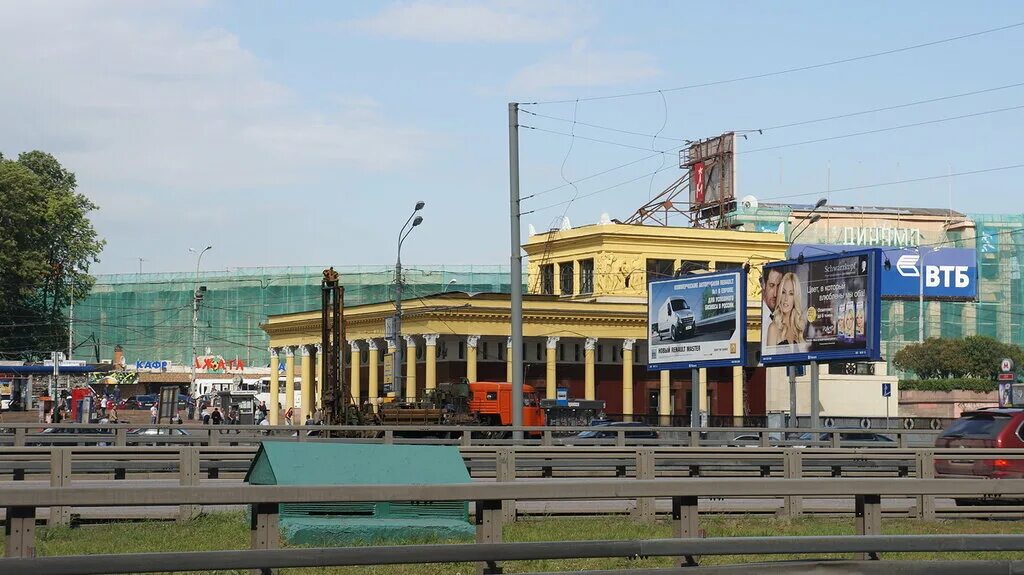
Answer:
(71, 323)
(516, 265)
(197, 296)
(402, 234)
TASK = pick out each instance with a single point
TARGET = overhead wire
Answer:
(787, 70)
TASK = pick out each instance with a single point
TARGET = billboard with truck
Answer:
(821, 308)
(697, 321)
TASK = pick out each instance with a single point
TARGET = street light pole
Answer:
(402, 234)
(195, 318)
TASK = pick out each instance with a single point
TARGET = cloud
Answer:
(130, 96)
(585, 67)
(462, 21)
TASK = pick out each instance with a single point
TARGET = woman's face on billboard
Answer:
(786, 295)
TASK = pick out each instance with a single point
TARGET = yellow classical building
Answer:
(584, 325)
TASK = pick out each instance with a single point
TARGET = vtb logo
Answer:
(934, 276)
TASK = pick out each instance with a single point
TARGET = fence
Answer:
(22, 505)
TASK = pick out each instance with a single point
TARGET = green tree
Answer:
(47, 245)
(974, 356)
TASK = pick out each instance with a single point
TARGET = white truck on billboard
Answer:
(675, 320)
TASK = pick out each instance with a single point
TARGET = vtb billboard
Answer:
(697, 321)
(942, 273)
(821, 308)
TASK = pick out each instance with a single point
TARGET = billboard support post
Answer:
(695, 397)
(794, 421)
(815, 419)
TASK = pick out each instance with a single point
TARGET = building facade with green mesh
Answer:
(997, 239)
(150, 315)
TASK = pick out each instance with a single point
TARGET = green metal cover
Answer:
(321, 463)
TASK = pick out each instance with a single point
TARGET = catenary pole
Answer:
(516, 264)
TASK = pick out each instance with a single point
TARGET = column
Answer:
(410, 367)
(356, 362)
(307, 386)
(471, 343)
(508, 360)
(289, 377)
(274, 401)
(589, 391)
(552, 349)
(373, 391)
(318, 401)
(665, 398)
(737, 394)
(627, 379)
(430, 383)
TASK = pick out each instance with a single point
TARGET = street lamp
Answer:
(808, 220)
(197, 296)
(415, 220)
(449, 284)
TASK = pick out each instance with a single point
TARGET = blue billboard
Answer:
(821, 308)
(698, 320)
(948, 273)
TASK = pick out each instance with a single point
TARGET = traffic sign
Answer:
(886, 390)
(1006, 366)
(1007, 377)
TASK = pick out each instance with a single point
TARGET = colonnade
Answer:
(310, 371)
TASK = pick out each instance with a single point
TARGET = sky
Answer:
(303, 133)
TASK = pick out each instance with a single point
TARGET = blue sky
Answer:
(302, 133)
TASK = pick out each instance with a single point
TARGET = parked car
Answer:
(138, 436)
(845, 437)
(994, 428)
(749, 440)
(139, 402)
(607, 430)
(65, 437)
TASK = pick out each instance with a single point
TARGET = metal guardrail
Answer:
(22, 505)
(120, 435)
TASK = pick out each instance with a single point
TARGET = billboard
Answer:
(697, 321)
(821, 308)
(712, 171)
(949, 273)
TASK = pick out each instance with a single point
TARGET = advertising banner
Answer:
(949, 273)
(697, 321)
(822, 308)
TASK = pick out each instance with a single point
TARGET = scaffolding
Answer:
(150, 315)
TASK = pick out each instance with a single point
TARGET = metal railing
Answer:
(22, 505)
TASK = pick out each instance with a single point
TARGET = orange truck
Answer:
(465, 403)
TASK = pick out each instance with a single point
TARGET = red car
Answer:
(994, 428)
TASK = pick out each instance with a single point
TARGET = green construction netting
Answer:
(150, 315)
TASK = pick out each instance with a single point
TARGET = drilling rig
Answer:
(338, 408)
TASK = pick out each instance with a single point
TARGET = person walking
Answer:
(103, 407)
(288, 415)
(154, 414)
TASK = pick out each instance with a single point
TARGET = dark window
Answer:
(565, 271)
(615, 353)
(576, 352)
(691, 266)
(462, 350)
(561, 352)
(660, 270)
(501, 353)
(851, 368)
(586, 276)
(420, 352)
(486, 350)
(600, 353)
(547, 279)
(540, 352)
(727, 266)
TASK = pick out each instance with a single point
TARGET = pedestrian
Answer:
(112, 416)
(288, 415)
(263, 410)
(191, 408)
(216, 417)
(309, 420)
(206, 418)
(154, 414)
(55, 418)
(103, 406)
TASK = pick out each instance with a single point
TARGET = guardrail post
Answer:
(188, 470)
(685, 523)
(505, 470)
(645, 509)
(20, 532)
(488, 530)
(263, 530)
(546, 438)
(792, 464)
(19, 437)
(694, 438)
(466, 439)
(764, 439)
(835, 437)
(389, 437)
(60, 476)
(904, 442)
(121, 437)
(869, 520)
(214, 436)
(925, 460)
(620, 438)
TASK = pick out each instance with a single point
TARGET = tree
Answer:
(974, 356)
(47, 245)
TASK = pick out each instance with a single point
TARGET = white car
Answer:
(675, 320)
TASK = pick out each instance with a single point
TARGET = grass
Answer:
(230, 531)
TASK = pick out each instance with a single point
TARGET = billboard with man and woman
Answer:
(821, 308)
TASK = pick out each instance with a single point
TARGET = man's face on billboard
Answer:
(771, 289)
